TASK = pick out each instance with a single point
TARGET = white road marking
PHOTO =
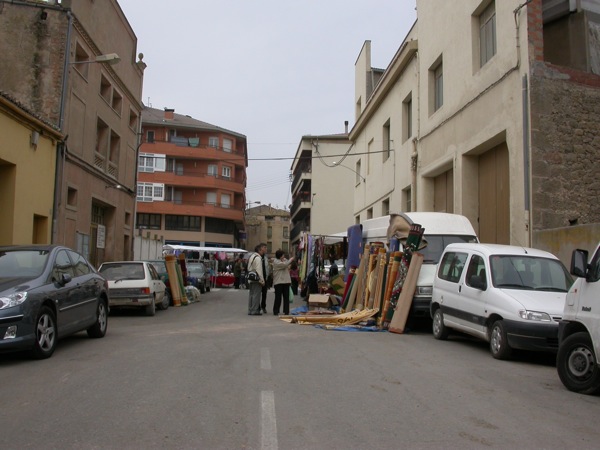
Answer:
(268, 436)
(265, 359)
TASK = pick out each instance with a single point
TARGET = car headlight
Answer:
(424, 290)
(535, 315)
(12, 300)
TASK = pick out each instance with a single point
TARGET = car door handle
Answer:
(460, 288)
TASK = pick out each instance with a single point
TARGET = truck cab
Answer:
(579, 331)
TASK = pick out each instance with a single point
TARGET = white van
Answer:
(579, 331)
(441, 229)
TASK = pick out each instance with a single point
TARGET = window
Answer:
(476, 269)
(385, 207)
(150, 136)
(407, 199)
(358, 176)
(72, 197)
(227, 145)
(105, 88)
(226, 172)
(62, 266)
(387, 140)
(213, 142)
(117, 102)
(269, 247)
(212, 170)
(150, 192)
(269, 232)
(285, 246)
(369, 213)
(487, 34)
(81, 56)
(149, 221)
(221, 226)
(286, 233)
(451, 266)
(211, 198)
(225, 201)
(150, 162)
(436, 76)
(182, 223)
(407, 118)
(80, 265)
(133, 120)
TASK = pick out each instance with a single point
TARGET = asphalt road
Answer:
(208, 376)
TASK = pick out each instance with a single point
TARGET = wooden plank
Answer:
(398, 323)
(358, 278)
(392, 274)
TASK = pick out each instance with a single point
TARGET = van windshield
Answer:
(437, 243)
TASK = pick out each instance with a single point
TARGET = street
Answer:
(208, 376)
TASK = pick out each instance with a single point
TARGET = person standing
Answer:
(255, 264)
(295, 277)
(281, 282)
(237, 272)
(265, 287)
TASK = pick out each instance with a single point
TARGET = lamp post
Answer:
(337, 164)
(109, 58)
(251, 203)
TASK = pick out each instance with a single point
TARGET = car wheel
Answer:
(166, 301)
(45, 334)
(151, 308)
(440, 331)
(577, 365)
(98, 330)
(202, 288)
(499, 342)
(207, 287)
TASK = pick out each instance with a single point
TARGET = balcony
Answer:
(297, 230)
(192, 180)
(183, 150)
(301, 206)
(302, 173)
(184, 208)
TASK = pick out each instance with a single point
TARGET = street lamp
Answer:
(251, 203)
(109, 58)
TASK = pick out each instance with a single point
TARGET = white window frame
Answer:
(227, 145)
(150, 192)
(225, 201)
(487, 34)
(212, 170)
(211, 198)
(213, 142)
(226, 172)
(152, 162)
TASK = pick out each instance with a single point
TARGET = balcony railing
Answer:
(303, 168)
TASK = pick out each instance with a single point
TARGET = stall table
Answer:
(224, 280)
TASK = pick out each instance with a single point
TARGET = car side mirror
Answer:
(65, 279)
(579, 260)
(478, 282)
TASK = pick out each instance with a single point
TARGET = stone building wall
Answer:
(32, 45)
(565, 147)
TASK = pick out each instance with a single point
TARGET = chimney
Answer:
(169, 114)
(346, 126)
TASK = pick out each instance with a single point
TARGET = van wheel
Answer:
(498, 341)
(440, 331)
(577, 365)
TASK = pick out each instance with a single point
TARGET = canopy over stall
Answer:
(191, 248)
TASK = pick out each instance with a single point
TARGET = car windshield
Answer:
(22, 263)
(529, 273)
(437, 243)
(196, 270)
(124, 271)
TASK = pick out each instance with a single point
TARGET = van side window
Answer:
(451, 266)
(476, 269)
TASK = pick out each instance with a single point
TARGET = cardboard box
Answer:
(321, 301)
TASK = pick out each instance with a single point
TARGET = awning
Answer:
(192, 248)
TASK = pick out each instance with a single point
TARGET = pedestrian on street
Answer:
(282, 282)
(268, 281)
(237, 272)
(255, 264)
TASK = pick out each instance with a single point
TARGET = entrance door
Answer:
(443, 198)
(494, 195)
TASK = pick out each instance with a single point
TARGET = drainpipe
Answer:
(61, 146)
(526, 157)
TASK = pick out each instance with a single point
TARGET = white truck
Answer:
(579, 330)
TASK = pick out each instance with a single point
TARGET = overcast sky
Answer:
(273, 70)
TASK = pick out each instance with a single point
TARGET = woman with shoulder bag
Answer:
(256, 279)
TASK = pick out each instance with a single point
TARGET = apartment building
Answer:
(269, 225)
(488, 109)
(74, 65)
(191, 180)
(323, 186)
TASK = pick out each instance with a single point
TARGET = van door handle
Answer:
(459, 288)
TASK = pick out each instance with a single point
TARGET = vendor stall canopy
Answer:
(172, 248)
